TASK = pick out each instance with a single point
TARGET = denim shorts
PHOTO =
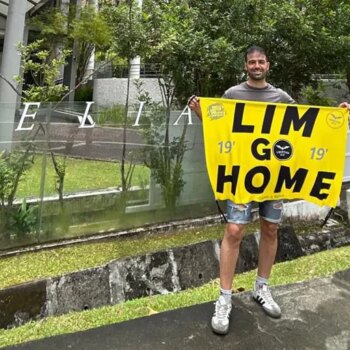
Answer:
(270, 211)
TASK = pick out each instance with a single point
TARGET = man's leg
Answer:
(270, 215)
(237, 216)
(267, 248)
(229, 253)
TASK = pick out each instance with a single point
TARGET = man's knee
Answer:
(269, 229)
(234, 232)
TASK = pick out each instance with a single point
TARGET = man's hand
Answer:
(193, 103)
(345, 105)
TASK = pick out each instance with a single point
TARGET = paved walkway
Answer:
(316, 315)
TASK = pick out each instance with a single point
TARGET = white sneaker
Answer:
(263, 296)
(221, 318)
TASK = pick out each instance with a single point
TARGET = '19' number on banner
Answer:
(318, 153)
(226, 147)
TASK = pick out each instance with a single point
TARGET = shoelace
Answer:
(266, 294)
(221, 310)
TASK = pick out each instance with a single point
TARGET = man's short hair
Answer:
(255, 48)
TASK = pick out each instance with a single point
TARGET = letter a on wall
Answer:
(259, 151)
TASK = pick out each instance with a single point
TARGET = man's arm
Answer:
(193, 103)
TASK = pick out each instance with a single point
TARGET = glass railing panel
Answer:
(19, 190)
(97, 169)
(73, 170)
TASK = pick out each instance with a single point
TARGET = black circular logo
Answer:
(282, 150)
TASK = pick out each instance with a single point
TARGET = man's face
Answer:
(257, 66)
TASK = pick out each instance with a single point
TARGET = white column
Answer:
(135, 68)
(10, 67)
(136, 61)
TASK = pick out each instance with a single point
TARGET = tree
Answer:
(43, 69)
(165, 151)
(128, 42)
(137, 33)
(207, 41)
(201, 44)
(58, 32)
(91, 32)
(306, 38)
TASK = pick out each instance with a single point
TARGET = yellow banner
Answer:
(257, 151)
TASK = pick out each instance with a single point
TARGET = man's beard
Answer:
(262, 76)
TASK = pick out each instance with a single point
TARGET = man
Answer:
(255, 88)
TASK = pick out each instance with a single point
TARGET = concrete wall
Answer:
(112, 91)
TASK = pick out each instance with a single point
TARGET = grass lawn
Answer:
(35, 265)
(26, 267)
(81, 174)
(302, 269)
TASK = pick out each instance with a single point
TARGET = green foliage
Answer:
(59, 164)
(91, 32)
(44, 57)
(128, 42)
(112, 115)
(84, 93)
(303, 38)
(13, 166)
(55, 33)
(51, 27)
(43, 70)
(128, 33)
(316, 95)
(24, 219)
(74, 181)
(201, 44)
(91, 28)
(164, 153)
(142, 95)
(193, 48)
